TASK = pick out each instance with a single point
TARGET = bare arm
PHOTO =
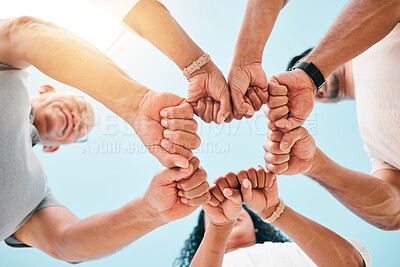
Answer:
(258, 22)
(74, 240)
(376, 198)
(323, 246)
(361, 24)
(69, 59)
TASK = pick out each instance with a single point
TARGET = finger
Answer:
(204, 199)
(237, 116)
(275, 89)
(273, 147)
(185, 139)
(248, 101)
(208, 115)
(271, 125)
(252, 175)
(216, 192)
(263, 96)
(183, 111)
(269, 179)
(215, 111)
(195, 162)
(291, 137)
(189, 125)
(241, 175)
(234, 196)
(276, 159)
(239, 103)
(229, 118)
(277, 169)
(194, 181)
(277, 113)
(226, 107)
(221, 183)
(289, 124)
(275, 136)
(199, 108)
(255, 101)
(246, 191)
(176, 149)
(214, 201)
(277, 101)
(260, 177)
(169, 160)
(195, 192)
(231, 179)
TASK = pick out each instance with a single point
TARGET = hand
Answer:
(276, 107)
(289, 153)
(226, 201)
(208, 82)
(165, 125)
(259, 191)
(249, 89)
(301, 89)
(172, 203)
(207, 110)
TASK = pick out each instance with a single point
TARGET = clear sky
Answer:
(114, 168)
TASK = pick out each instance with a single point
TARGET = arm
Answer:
(69, 59)
(323, 246)
(361, 24)
(59, 233)
(246, 71)
(374, 198)
(222, 211)
(153, 21)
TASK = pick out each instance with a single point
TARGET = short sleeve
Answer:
(48, 201)
(362, 250)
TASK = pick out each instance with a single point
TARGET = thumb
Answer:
(225, 108)
(240, 104)
(246, 189)
(289, 124)
(290, 138)
(233, 195)
(176, 174)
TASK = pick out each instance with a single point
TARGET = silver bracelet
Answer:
(277, 213)
(196, 65)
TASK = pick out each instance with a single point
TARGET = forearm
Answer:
(374, 200)
(360, 24)
(258, 22)
(105, 233)
(153, 21)
(69, 59)
(323, 246)
(212, 248)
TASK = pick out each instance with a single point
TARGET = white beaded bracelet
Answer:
(277, 213)
(196, 65)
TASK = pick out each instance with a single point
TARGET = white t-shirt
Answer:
(377, 93)
(278, 255)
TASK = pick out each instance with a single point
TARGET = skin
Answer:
(225, 207)
(95, 74)
(59, 233)
(373, 198)
(61, 118)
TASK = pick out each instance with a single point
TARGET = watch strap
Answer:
(311, 71)
(196, 65)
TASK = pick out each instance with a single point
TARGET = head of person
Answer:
(338, 86)
(61, 118)
(248, 230)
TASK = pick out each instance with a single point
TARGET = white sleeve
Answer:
(362, 250)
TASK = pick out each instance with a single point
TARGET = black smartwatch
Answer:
(312, 71)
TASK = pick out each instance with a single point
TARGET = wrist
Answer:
(209, 67)
(241, 59)
(316, 164)
(222, 227)
(266, 213)
(150, 212)
(133, 103)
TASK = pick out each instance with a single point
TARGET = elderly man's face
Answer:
(337, 86)
(61, 118)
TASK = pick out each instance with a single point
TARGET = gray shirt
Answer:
(23, 184)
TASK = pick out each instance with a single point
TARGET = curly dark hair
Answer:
(297, 58)
(266, 232)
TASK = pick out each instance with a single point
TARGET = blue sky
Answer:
(96, 177)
